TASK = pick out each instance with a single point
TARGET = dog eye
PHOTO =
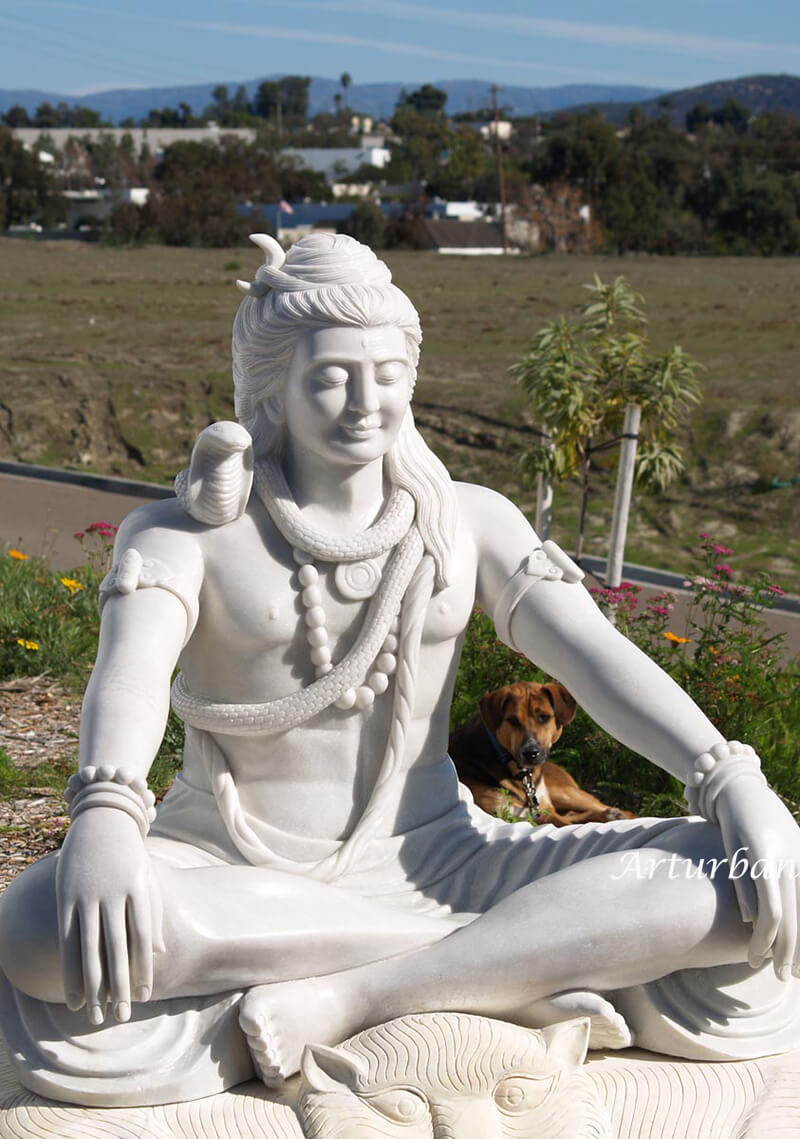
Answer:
(513, 721)
(543, 717)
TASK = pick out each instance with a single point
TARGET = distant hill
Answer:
(376, 99)
(758, 92)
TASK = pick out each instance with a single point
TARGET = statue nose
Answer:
(364, 392)
(468, 1119)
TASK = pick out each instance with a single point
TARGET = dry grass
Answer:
(113, 359)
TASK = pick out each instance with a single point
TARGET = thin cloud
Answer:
(610, 35)
(390, 46)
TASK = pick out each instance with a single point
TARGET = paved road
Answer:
(40, 515)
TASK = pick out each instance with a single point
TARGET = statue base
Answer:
(613, 1095)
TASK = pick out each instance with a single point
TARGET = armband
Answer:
(547, 563)
(133, 572)
(111, 787)
(714, 769)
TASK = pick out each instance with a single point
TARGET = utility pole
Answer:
(499, 155)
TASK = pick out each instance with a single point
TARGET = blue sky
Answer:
(77, 46)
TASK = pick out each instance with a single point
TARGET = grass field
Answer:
(113, 359)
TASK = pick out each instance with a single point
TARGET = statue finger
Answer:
(69, 936)
(140, 945)
(768, 921)
(115, 946)
(746, 897)
(786, 940)
(92, 963)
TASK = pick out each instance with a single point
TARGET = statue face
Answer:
(347, 392)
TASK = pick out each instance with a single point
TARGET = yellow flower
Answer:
(31, 645)
(674, 639)
(72, 585)
(18, 555)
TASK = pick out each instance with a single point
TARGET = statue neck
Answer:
(341, 497)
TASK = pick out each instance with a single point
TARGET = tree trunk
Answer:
(587, 462)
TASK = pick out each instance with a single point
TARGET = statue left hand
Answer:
(758, 828)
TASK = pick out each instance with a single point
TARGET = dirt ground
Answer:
(38, 724)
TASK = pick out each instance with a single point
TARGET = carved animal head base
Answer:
(452, 1076)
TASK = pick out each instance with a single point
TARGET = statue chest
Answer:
(255, 594)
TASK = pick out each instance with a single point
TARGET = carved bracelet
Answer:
(106, 786)
(715, 769)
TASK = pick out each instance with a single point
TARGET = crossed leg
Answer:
(588, 926)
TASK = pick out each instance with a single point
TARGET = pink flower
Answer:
(79, 534)
(723, 569)
(104, 528)
(776, 589)
(659, 610)
(704, 535)
(721, 551)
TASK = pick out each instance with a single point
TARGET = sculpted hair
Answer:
(280, 307)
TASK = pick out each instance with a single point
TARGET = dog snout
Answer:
(532, 751)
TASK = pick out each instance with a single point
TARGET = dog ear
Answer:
(564, 704)
(491, 707)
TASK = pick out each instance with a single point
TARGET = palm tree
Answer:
(345, 81)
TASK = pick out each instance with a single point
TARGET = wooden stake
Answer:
(622, 498)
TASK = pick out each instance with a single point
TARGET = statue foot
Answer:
(607, 1028)
(278, 1021)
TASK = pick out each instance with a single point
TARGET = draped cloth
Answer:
(454, 866)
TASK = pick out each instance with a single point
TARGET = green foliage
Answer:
(580, 377)
(27, 190)
(725, 658)
(366, 223)
(45, 624)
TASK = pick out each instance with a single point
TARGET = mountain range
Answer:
(757, 92)
(376, 99)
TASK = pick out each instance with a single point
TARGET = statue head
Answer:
(438, 1075)
(331, 280)
(325, 279)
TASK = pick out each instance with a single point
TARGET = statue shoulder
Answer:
(162, 531)
(493, 519)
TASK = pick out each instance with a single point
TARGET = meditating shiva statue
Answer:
(316, 869)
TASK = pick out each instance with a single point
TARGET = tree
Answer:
(26, 189)
(428, 100)
(17, 116)
(581, 375)
(366, 224)
(345, 81)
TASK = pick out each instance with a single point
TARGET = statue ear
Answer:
(567, 1042)
(491, 708)
(326, 1069)
(564, 704)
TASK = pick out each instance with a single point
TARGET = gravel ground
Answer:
(38, 723)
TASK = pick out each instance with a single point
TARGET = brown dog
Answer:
(509, 741)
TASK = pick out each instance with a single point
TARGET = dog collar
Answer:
(506, 758)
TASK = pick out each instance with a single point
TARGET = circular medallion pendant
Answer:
(357, 580)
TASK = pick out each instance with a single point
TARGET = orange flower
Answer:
(18, 555)
(674, 639)
(71, 584)
(31, 645)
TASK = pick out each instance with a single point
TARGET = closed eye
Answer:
(333, 375)
(391, 372)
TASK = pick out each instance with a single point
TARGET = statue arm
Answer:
(557, 625)
(108, 908)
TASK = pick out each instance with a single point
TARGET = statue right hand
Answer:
(105, 914)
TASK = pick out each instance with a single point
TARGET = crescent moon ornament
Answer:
(357, 580)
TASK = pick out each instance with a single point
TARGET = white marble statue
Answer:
(315, 869)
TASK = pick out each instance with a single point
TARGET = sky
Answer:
(78, 46)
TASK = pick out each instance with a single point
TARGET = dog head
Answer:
(527, 718)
